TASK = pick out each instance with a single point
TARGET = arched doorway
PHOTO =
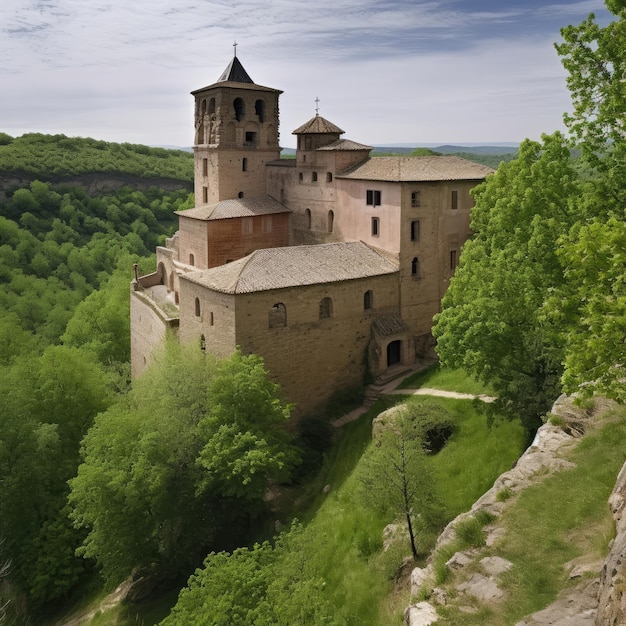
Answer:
(394, 352)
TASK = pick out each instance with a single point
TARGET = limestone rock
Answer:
(577, 607)
(459, 560)
(385, 421)
(421, 614)
(483, 588)
(495, 565)
(393, 533)
(611, 595)
(493, 534)
(418, 577)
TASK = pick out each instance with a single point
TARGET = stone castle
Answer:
(330, 265)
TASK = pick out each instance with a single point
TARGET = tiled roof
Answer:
(243, 207)
(417, 169)
(235, 77)
(345, 144)
(388, 325)
(295, 266)
(235, 72)
(319, 126)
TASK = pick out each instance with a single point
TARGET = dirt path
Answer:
(429, 391)
(392, 389)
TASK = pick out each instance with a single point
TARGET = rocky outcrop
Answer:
(600, 601)
(94, 183)
(611, 594)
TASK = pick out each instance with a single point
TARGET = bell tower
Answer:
(235, 135)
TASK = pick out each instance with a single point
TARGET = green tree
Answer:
(101, 323)
(46, 405)
(490, 323)
(595, 59)
(395, 475)
(589, 307)
(264, 586)
(148, 491)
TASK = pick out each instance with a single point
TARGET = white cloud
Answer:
(386, 71)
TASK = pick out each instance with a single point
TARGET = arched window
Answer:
(368, 299)
(326, 308)
(191, 259)
(415, 268)
(240, 109)
(277, 316)
(200, 134)
(300, 177)
(259, 109)
(329, 177)
(211, 106)
(307, 214)
(240, 194)
(331, 221)
(244, 164)
(415, 230)
(203, 107)
(197, 307)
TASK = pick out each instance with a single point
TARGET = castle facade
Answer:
(331, 265)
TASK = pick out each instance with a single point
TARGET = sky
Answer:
(385, 71)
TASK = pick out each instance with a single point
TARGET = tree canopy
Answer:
(60, 156)
(537, 302)
(165, 467)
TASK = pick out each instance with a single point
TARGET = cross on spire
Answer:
(235, 47)
(317, 105)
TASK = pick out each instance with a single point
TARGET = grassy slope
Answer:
(565, 517)
(345, 534)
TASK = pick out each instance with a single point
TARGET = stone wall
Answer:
(311, 358)
(148, 327)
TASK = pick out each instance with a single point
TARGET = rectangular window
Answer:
(415, 230)
(375, 227)
(415, 198)
(205, 194)
(455, 200)
(205, 167)
(250, 138)
(314, 177)
(453, 259)
(246, 225)
(372, 197)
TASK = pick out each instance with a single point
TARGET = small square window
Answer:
(372, 197)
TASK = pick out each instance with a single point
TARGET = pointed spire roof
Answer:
(236, 77)
(235, 73)
(318, 126)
